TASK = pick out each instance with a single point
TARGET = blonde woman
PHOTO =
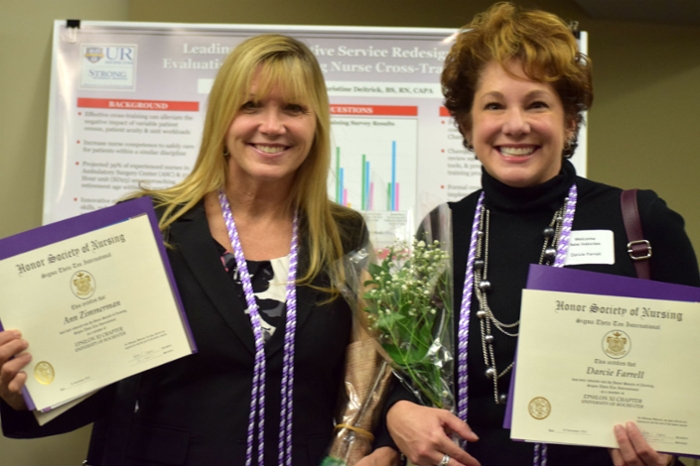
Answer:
(254, 244)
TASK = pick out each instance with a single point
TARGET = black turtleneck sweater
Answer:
(518, 218)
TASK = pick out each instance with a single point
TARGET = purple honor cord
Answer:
(540, 455)
(464, 315)
(257, 402)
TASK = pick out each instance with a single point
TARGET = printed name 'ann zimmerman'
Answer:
(90, 312)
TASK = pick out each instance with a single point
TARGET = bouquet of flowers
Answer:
(402, 296)
(409, 306)
(409, 303)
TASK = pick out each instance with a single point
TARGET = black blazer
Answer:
(195, 410)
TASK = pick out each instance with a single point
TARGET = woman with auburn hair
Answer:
(517, 87)
(255, 247)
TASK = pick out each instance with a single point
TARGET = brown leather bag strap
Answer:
(638, 248)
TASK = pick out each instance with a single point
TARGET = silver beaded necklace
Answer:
(482, 286)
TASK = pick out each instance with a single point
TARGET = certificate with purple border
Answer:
(596, 350)
(95, 297)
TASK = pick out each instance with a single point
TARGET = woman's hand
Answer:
(634, 450)
(423, 434)
(384, 456)
(11, 376)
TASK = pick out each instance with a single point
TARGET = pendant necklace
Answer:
(556, 243)
(257, 403)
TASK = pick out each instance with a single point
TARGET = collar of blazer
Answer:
(191, 238)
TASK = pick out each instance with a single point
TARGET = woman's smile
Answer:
(518, 128)
(269, 148)
(517, 151)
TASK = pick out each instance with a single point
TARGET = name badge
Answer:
(591, 247)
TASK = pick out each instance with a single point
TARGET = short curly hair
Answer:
(541, 41)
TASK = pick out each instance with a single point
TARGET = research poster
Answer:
(128, 102)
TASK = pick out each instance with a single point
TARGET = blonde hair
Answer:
(284, 63)
(540, 41)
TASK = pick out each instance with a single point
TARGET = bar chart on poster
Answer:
(374, 159)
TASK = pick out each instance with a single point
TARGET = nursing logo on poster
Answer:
(108, 66)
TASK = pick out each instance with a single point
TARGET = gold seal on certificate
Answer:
(44, 373)
(617, 344)
(83, 284)
(539, 408)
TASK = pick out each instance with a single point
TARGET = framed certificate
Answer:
(587, 362)
(95, 298)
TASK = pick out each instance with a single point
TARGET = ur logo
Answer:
(94, 54)
(108, 66)
(616, 344)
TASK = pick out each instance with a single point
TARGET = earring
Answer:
(569, 149)
(226, 152)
